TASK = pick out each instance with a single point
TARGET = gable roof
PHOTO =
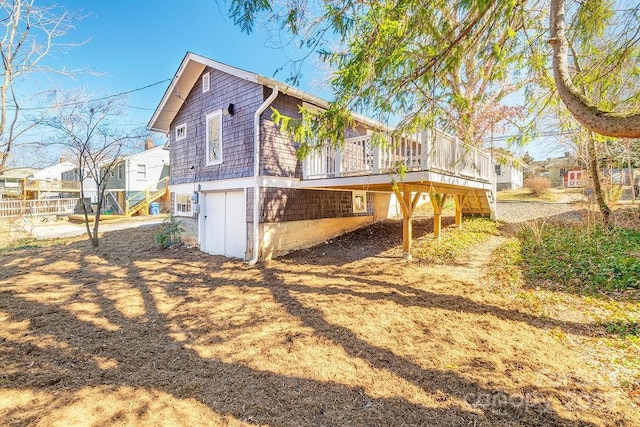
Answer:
(188, 74)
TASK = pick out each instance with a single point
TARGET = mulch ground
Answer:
(346, 333)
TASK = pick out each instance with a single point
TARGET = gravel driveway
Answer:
(515, 212)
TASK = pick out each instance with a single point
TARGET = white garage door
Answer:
(225, 224)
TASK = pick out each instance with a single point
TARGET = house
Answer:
(89, 186)
(556, 168)
(133, 180)
(136, 178)
(240, 190)
(12, 182)
(509, 171)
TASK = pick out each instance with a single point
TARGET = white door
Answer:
(225, 224)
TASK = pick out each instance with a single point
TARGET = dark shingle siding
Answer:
(237, 130)
(287, 204)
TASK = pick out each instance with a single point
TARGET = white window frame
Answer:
(120, 172)
(181, 132)
(206, 82)
(138, 172)
(215, 114)
(359, 201)
(182, 208)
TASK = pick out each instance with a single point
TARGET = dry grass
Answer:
(528, 195)
(345, 333)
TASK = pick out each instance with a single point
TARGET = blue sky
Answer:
(134, 44)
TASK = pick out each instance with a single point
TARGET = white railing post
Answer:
(476, 164)
(376, 160)
(338, 164)
(425, 161)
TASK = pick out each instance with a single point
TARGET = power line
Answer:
(70, 104)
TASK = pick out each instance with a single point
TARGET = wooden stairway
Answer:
(478, 202)
(140, 202)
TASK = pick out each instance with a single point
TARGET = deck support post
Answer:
(437, 200)
(408, 205)
(458, 199)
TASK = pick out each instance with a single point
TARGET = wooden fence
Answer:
(15, 208)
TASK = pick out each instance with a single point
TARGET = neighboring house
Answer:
(134, 177)
(89, 185)
(12, 182)
(240, 190)
(557, 168)
(54, 172)
(509, 171)
(49, 183)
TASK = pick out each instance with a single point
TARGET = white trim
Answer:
(359, 201)
(184, 134)
(423, 176)
(138, 171)
(206, 82)
(191, 66)
(220, 159)
(176, 212)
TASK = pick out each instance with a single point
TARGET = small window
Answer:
(141, 173)
(183, 204)
(181, 132)
(359, 201)
(499, 170)
(120, 167)
(214, 138)
(206, 82)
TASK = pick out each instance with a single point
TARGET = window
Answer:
(183, 204)
(206, 82)
(120, 166)
(141, 173)
(499, 170)
(359, 199)
(214, 138)
(181, 132)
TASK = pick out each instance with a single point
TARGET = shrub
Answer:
(538, 185)
(170, 233)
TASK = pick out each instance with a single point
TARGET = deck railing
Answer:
(14, 208)
(422, 151)
(51, 185)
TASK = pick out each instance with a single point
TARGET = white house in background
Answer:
(135, 175)
(509, 174)
(54, 172)
(132, 180)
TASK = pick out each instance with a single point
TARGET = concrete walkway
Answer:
(60, 229)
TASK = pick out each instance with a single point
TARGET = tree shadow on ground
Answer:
(79, 335)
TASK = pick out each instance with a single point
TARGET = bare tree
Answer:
(28, 34)
(88, 131)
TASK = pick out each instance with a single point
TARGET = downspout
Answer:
(256, 173)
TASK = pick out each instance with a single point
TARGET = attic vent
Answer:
(206, 82)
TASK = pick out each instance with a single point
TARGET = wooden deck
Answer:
(431, 161)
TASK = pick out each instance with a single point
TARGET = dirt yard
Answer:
(346, 333)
